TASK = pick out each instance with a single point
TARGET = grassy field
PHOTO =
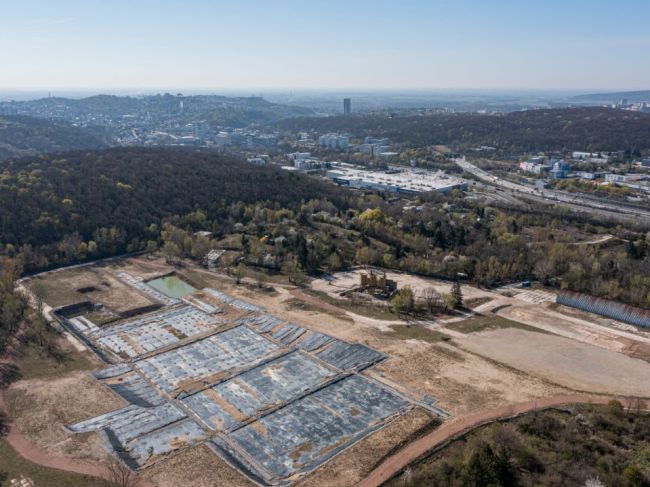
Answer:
(13, 466)
(34, 362)
(415, 332)
(474, 302)
(295, 303)
(488, 322)
(368, 310)
(51, 291)
(101, 317)
(556, 447)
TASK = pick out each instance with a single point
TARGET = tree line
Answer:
(589, 128)
(83, 206)
(23, 136)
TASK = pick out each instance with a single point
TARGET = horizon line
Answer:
(99, 90)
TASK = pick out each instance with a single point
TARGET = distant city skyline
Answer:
(255, 46)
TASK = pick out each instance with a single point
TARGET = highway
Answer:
(551, 197)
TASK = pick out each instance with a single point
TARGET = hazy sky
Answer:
(324, 44)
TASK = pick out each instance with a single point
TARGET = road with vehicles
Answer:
(576, 202)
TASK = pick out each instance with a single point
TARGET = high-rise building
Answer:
(334, 141)
(200, 130)
(347, 105)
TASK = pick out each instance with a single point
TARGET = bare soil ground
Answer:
(344, 281)
(600, 320)
(577, 328)
(467, 373)
(196, 467)
(61, 289)
(566, 362)
(42, 407)
(461, 381)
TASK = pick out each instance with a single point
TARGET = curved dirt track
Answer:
(34, 454)
(461, 425)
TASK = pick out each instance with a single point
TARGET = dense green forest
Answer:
(590, 446)
(12, 310)
(592, 129)
(114, 196)
(66, 208)
(21, 136)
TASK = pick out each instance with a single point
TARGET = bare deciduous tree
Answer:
(635, 405)
(121, 476)
(431, 298)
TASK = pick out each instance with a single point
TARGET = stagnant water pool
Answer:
(172, 285)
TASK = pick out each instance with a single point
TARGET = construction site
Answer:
(271, 398)
(195, 376)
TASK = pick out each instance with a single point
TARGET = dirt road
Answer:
(31, 452)
(463, 424)
(39, 456)
(26, 448)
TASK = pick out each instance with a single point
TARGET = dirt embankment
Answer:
(462, 425)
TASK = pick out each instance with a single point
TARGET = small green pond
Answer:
(173, 286)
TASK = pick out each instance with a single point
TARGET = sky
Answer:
(324, 44)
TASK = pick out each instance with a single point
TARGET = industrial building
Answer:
(541, 166)
(406, 181)
(560, 169)
(334, 141)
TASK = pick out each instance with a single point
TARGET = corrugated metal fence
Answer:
(605, 307)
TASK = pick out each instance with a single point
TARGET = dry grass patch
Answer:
(369, 310)
(415, 332)
(489, 322)
(198, 467)
(35, 362)
(13, 466)
(42, 407)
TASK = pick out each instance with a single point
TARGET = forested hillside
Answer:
(85, 205)
(121, 192)
(584, 445)
(231, 111)
(593, 129)
(20, 136)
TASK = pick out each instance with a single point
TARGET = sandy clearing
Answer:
(563, 361)
(461, 381)
(41, 408)
(197, 467)
(61, 288)
(573, 327)
(28, 450)
(344, 281)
